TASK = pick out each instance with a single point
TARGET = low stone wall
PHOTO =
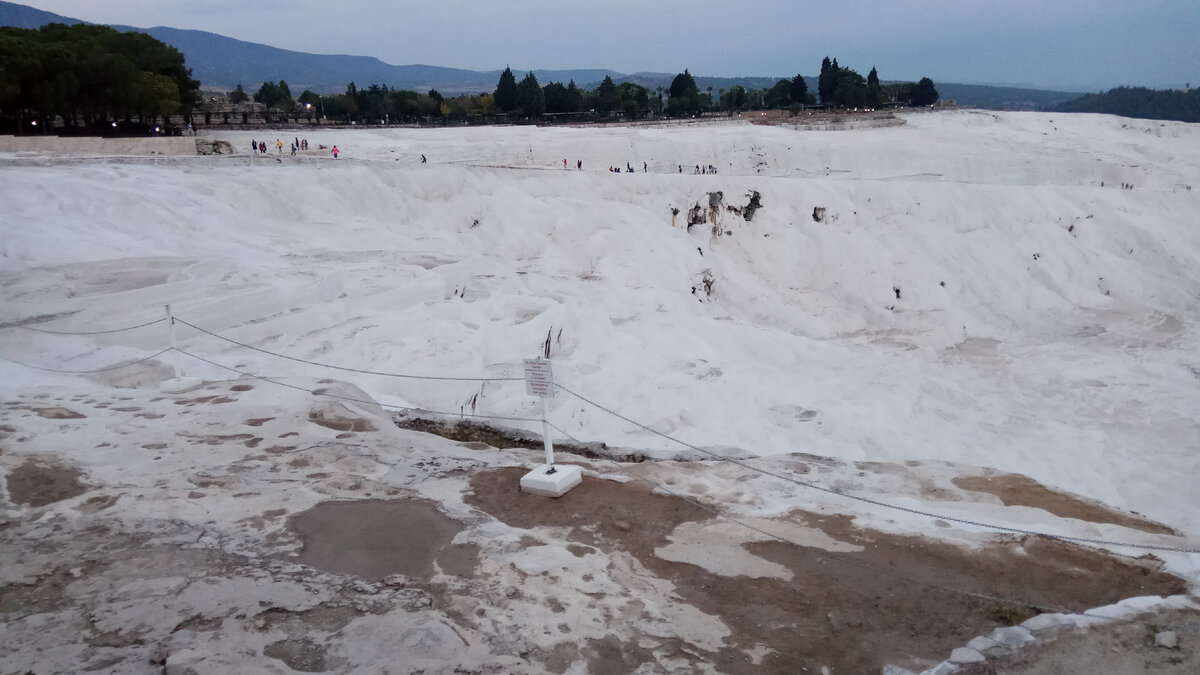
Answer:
(158, 145)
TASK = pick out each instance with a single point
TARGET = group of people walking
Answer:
(297, 145)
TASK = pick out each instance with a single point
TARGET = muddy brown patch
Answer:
(34, 484)
(193, 401)
(215, 439)
(241, 387)
(302, 655)
(57, 413)
(886, 603)
(257, 421)
(459, 560)
(480, 436)
(339, 423)
(1017, 490)
(198, 623)
(98, 503)
(374, 538)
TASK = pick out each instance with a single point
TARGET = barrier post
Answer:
(548, 441)
(171, 335)
(177, 384)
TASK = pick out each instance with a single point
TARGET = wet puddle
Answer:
(374, 538)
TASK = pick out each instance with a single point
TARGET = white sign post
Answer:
(539, 381)
(548, 480)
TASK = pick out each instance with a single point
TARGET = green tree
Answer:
(925, 93)
(530, 97)
(506, 91)
(607, 98)
(799, 90)
(875, 95)
(735, 98)
(683, 85)
(685, 95)
(265, 94)
(574, 102)
(238, 95)
(635, 100)
(88, 75)
(404, 104)
(555, 95)
(780, 95)
(827, 81)
(850, 89)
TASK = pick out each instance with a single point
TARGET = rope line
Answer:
(89, 332)
(351, 370)
(739, 462)
(387, 406)
(876, 502)
(86, 372)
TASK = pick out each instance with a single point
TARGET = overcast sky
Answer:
(1082, 45)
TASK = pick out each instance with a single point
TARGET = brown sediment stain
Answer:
(193, 401)
(348, 537)
(38, 484)
(339, 423)
(257, 421)
(97, 503)
(1017, 490)
(57, 413)
(215, 439)
(856, 611)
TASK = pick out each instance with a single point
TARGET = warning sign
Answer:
(539, 381)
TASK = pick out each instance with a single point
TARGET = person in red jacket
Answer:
(335, 152)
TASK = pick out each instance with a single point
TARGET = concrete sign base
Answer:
(555, 484)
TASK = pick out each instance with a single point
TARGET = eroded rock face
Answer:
(35, 484)
(212, 147)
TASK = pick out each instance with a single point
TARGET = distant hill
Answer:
(1150, 104)
(221, 63)
(1002, 98)
(23, 16)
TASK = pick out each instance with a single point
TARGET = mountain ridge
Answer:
(221, 63)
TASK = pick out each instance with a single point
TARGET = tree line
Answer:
(92, 77)
(1153, 104)
(527, 99)
(838, 87)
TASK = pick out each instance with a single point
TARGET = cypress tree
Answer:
(826, 81)
(799, 90)
(530, 97)
(607, 96)
(506, 91)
